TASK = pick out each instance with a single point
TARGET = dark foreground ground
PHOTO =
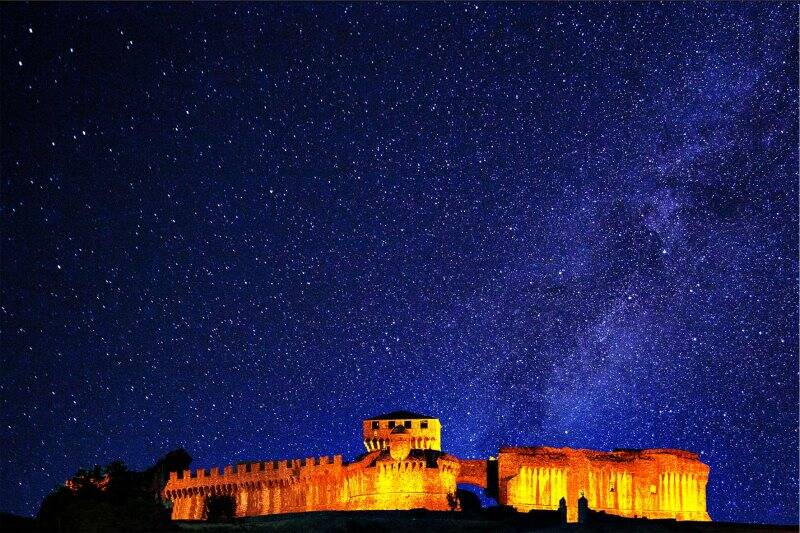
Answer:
(428, 521)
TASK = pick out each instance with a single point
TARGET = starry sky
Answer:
(243, 228)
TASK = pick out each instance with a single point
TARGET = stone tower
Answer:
(399, 443)
(424, 432)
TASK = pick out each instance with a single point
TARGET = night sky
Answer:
(243, 228)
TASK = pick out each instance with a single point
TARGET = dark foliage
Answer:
(469, 501)
(134, 514)
(220, 508)
(19, 524)
(155, 478)
(452, 501)
(113, 498)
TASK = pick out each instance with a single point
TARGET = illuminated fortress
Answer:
(404, 468)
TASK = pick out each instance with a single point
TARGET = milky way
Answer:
(242, 229)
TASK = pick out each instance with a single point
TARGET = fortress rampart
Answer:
(376, 481)
(266, 487)
(654, 483)
(404, 471)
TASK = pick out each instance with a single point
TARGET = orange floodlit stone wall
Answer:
(261, 488)
(376, 481)
(474, 472)
(405, 469)
(655, 483)
(406, 484)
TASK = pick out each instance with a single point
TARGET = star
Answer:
(546, 224)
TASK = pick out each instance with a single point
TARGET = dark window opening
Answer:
(407, 424)
(391, 424)
(376, 424)
(423, 424)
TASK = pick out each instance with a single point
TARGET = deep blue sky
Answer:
(243, 228)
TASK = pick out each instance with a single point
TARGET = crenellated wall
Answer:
(655, 483)
(267, 487)
(407, 484)
(318, 484)
(405, 469)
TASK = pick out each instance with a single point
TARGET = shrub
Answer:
(470, 502)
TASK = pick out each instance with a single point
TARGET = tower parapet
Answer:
(425, 432)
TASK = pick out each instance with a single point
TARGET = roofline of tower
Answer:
(398, 415)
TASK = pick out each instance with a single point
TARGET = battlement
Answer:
(404, 468)
(618, 454)
(246, 470)
(442, 465)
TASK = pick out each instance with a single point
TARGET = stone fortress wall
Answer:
(268, 487)
(317, 484)
(654, 483)
(403, 470)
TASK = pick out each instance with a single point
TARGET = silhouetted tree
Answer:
(452, 501)
(85, 483)
(121, 483)
(220, 508)
(55, 508)
(113, 498)
(155, 478)
(470, 502)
